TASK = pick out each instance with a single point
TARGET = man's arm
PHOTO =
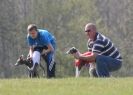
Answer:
(91, 58)
(30, 51)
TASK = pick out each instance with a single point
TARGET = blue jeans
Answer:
(106, 64)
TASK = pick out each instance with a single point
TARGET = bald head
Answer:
(90, 26)
(90, 30)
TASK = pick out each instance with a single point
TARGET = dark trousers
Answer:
(49, 59)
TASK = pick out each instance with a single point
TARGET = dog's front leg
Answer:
(30, 74)
(35, 71)
(77, 71)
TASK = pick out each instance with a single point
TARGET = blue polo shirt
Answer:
(43, 39)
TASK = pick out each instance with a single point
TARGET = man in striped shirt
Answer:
(105, 55)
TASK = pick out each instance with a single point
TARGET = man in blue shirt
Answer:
(41, 42)
(105, 55)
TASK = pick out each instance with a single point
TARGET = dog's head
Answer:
(72, 50)
(20, 61)
(28, 62)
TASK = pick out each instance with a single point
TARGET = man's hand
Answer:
(44, 52)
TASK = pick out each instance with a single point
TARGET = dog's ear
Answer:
(22, 56)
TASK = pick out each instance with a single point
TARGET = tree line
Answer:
(66, 20)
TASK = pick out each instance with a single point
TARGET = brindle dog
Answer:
(29, 63)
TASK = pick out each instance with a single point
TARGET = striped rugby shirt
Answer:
(103, 46)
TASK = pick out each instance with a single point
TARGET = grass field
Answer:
(67, 86)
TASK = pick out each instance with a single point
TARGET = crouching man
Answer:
(105, 55)
(41, 43)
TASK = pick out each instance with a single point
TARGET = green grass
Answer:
(67, 86)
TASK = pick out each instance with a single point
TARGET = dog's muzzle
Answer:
(16, 64)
